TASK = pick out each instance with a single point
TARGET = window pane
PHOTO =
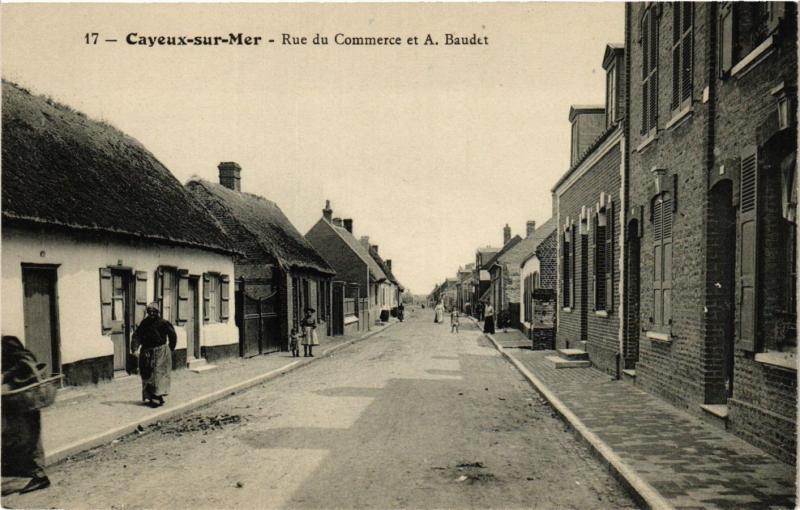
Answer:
(657, 307)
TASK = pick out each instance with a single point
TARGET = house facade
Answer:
(358, 276)
(589, 201)
(278, 275)
(483, 279)
(712, 212)
(94, 229)
(503, 271)
(537, 284)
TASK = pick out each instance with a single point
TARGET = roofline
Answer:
(592, 148)
(611, 51)
(333, 227)
(13, 218)
(576, 109)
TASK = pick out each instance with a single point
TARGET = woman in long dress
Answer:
(438, 315)
(488, 319)
(157, 339)
(310, 338)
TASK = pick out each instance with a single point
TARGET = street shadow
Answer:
(111, 403)
(449, 373)
(349, 392)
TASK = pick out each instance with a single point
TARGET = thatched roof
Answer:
(260, 225)
(62, 169)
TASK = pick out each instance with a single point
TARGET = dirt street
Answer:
(415, 417)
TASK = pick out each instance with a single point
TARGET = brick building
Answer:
(503, 292)
(588, 202)
(482, 278)
(710, 223)
(538, 272)
(357, 272)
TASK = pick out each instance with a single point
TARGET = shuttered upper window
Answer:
(215, 297)
(649, 34)
(167, 292)
(682, 54)
(662, 267)
(744, 26)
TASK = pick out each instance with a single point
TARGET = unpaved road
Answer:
(415, 417)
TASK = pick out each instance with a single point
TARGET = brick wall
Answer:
(763, 408)
(548, 264)
(348, 266)
(673, 370)
(601, 332)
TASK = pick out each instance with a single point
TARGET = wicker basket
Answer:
(34, 396)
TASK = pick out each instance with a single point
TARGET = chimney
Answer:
(531, 228)
(364, 241)
(230, 175)
(327, 212)
(348, 224)
(337, 222)
(506, 234)
(375, 247)
(388, 264)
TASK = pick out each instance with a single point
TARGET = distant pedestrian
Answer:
(488, 319)
(438, 313)
(22, 453)
(310, 338)
(294, 342)
(454, 321)
(157, 339)
(401, 310)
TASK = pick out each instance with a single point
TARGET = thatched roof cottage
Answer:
(94, 228)
(279, 272)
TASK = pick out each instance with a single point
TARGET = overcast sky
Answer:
(430, 149)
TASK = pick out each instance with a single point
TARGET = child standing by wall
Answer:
(294, 343)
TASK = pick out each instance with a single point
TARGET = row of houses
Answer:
(95, 228)
(675, 227)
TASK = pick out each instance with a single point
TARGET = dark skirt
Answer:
(488, 324)
(23, 454)
(155, 368)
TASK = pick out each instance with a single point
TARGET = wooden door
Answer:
(121, 317)
(40, 315)
(192, 322)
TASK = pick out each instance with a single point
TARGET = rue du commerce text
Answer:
(285, 39)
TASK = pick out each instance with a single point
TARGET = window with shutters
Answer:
(167, 292)
(662, 262)
(611, 96)
(566, 269)
(599, 251)
(216, 297)
(682, 54)
(526, 292)
(745, 29)
(789, 209)
(649, 44)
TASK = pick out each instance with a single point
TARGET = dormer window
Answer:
(611, 95)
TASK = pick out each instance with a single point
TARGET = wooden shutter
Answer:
(595, 260)
(224, 292)
(183, 297)
(645, 66)
(105, 300)
(206, 296)
(687, 52)
(141, 296)
(652, 111)
(748, 250)
(658, 215)
(159, 289)
(609, 256)
(666, 258)
(676, 55)
(725, 38)
(572, 258)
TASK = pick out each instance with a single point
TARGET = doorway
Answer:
(192, 322)
(122, 312)
(721, 289)
(632, 294)
(40, 314)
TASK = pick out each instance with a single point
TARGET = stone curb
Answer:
(643, 492)
(102, 438)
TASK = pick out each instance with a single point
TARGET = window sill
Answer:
(680, 117)
(601, 313)
(755, 57)
(778, 359)
(566, 309)
(664, 338)
(647, 141)
(350, 319)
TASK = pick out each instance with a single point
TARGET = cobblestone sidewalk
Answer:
(692, 464)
